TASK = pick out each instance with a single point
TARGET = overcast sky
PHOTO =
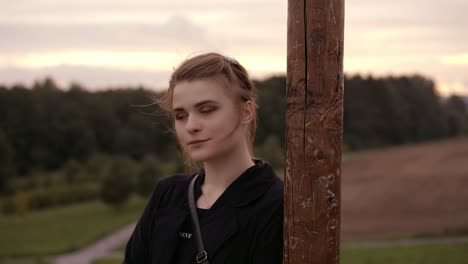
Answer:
(101, 43)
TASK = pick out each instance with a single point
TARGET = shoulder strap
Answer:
(201, 257)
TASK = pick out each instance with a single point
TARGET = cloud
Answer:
(459, 59)
(400, 13)
(80, 7)
(397, 36)
(406, 28)
(250, 26)
(176, 32)
(108, 59)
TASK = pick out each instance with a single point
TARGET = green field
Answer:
(427, 254)
(63, 229)
(108, 261)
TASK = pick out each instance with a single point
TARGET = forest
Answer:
(46, 128)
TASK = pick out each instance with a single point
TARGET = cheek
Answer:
(225, 126)
(222, 122)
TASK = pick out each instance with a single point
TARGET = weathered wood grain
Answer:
(314, 131)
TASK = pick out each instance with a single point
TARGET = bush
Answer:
(148, 176)
(8, 206)
(23, 201)
(17, 203)
(7, 168)
(272, 152)
(63, 195)
(97, 166)
(72, 170)
(117, 186)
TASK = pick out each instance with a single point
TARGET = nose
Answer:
(193, 124)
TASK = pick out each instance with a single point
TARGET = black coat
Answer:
(245, 223)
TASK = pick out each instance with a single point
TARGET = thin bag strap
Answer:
(202, 256)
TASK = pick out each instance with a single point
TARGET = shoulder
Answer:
(271, 202)
(274, 196)
(277, 188)
(174, 181)
(171, 190)
(273, 199)
(275, 192)
(266, 217)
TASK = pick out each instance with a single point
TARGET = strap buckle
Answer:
(202, 256)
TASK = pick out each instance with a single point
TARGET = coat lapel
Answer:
(217, 228)
(168, 222)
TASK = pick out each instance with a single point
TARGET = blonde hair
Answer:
(231, 74)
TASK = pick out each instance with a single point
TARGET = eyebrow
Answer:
(196, 105)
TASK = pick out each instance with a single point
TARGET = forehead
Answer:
(188, 93)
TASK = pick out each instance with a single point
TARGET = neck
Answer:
(220, 173)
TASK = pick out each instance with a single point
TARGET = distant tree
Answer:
(272, 152)
(272, 108)
(457, 116)
(391, 110)
(47, 126)
(98, 166)
(6, 163)
(456, 104)
(118, 184)
(173, 165)
(72, 171)
(149, 175)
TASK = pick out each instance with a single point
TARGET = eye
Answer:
(179, 116)
(207, 109)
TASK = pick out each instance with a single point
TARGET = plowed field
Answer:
(417, 189)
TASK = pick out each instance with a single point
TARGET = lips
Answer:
(197, 141)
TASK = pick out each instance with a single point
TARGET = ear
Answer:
(248, 111)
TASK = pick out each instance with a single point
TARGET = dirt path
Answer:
(106, 246)
(99, 249)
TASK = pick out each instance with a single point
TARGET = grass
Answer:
(461, 232)
(427, 254)
(64, 229)
(108, 261)
(121, 248)
(30, 260)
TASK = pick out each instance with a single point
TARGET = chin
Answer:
(209, 152)
(200, 155)
(199, 158)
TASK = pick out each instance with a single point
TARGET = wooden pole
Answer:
(314, 131)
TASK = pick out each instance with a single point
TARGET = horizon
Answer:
(67, 86)
(121, 43)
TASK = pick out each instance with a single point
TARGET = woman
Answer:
(239, 199)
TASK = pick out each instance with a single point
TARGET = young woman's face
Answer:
(207, 121)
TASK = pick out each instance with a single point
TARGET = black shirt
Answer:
(186, 246)
(244, 225)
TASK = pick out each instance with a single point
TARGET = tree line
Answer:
(399, 110)
(44, 126)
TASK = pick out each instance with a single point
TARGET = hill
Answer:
(410, 190)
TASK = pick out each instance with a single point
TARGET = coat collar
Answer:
(249, 186)
(222, 222)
